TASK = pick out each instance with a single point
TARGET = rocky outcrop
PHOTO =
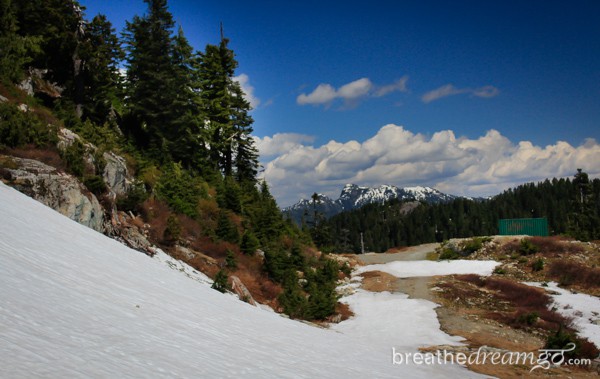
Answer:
(61, 192)
(240, 289)
(35, 83)
(116, 175)
(121, 227)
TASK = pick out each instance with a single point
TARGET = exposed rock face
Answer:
(36, 83)
(240, 289)
(60, 191)
(122, 228)
(116, 176)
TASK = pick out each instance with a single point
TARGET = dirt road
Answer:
(413, 253)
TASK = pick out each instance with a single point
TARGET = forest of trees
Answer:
(572, 207)
(179, 118)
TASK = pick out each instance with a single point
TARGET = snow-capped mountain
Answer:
(353, 196)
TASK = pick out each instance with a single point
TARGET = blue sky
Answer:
(328, 76)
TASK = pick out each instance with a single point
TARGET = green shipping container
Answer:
(523, 226)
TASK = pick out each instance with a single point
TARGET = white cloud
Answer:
(281, 143)
(485, 91)
(443, 91)
(350, 93)
(398, 86)
(248, 89)
(323, 94)
(450, 90)
(394, 155)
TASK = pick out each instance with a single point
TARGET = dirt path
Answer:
(413, 253)
(478, 331)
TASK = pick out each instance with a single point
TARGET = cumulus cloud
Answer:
(451, 90)
(483, 166)
(248, 90)
(281, 143)
(350, 93)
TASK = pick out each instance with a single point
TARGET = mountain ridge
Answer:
(353, 196)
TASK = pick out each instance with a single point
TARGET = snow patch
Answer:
(583, 309)
(409, 269)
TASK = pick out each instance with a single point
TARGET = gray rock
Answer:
(116, 176)
(66, 138)
(36, 83)
(59, 191)
(240, 289)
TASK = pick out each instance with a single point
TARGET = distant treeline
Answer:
(571, 206)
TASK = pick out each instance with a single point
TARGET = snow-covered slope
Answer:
(74, 303)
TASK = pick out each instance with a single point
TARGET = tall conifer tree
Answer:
(102, 53)
(150, 86)
(228, 122)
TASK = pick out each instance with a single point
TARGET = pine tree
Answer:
(212, 76)
(221, 282)
(227, 113)
(583, 219)
(58, 26)
(151, 90)
(246, 154)
(16, 51)
(187, 131)
(102, 53)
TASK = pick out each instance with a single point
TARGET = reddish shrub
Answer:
(344, 311)
(472, 278)
(552, 246)
(48, 156)
(587, 349)
(519, 294)
(511, 247)
(156, 214)
(568, 273)
(190, 229)
(214, 249)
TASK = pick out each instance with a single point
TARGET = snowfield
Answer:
(409, 269)
(74, 303)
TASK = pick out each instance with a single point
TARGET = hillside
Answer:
(81, 304)
(571, 206)
(160, 153)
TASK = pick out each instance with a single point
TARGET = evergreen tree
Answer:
(583, 219)
(221, 282)
(151, 88)
(16, 51)
(227, 113)
(292, 299)
(102, 54)
(246, 154)
(249, 243)
(187, 131)
(58, 26)
(215, 68)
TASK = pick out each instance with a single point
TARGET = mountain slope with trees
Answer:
(179, 120)
(571, 207)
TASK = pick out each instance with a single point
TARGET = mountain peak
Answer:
(354, 196)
